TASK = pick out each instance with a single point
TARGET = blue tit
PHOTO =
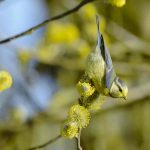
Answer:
(100, 70)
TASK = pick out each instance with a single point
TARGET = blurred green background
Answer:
(59, 59)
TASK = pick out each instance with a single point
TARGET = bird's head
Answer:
(118, 89)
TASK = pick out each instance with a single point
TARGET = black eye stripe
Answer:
(119, 82)
(120, 89)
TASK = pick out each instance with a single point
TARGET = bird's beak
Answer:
(125, 98)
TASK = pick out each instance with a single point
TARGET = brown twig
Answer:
(45, 144)
(32, 29)
(79, 140)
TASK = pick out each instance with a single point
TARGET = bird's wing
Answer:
(110, 73)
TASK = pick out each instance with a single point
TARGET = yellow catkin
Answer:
(69, 129)
(5, 80)
(88, 12)
(118, 3)
(85, 89)
(62, 32)
(80, 115)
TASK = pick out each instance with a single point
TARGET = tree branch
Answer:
(32, 29)
(79, 140)
(45, 144)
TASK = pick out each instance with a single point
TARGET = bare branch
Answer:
(79, 140)
(45, 144)
(32, 29)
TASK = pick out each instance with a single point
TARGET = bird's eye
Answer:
(120, 89)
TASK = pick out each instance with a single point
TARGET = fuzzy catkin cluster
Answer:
(69, 129)
(85, 89)
(78, 117)
(118, 3)
(79, 114)
(90, 97)
(5, 80)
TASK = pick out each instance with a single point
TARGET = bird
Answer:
(99, 69)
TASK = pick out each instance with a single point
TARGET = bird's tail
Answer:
(98, 31)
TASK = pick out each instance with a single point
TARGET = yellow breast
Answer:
(95, 69)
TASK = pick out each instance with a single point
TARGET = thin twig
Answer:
(79, 140)
(45, 144)
(32, 29)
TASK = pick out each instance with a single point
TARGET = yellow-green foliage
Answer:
(5, 80)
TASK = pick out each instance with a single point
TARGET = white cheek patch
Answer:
(114, 91)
